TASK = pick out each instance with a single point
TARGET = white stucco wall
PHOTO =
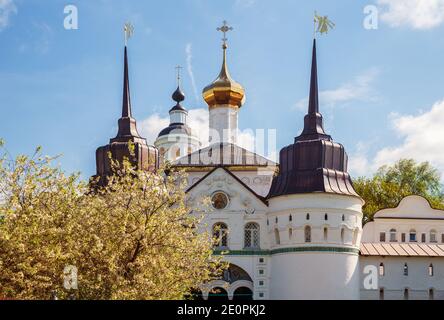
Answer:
(394, 282)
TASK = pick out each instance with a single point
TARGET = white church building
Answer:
(291, 230)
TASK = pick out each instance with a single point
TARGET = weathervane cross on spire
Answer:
(128, 29)
(322, 24)
(224, 29)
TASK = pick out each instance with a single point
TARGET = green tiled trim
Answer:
(285, 250)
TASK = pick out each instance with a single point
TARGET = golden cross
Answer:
(128, 29)
(224, 29)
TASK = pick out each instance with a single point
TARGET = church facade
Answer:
(291, 230)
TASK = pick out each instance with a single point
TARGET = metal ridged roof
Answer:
(402, 249)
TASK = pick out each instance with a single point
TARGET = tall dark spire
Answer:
(313, 104)
(313, 163)
(313, 122)
(127, 124)
(126, 105)
(142, 155)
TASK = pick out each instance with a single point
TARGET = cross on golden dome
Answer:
(224, 91)
(224, 29)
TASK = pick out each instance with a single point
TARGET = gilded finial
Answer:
(322, 24)
(128, 30)
(224, 29)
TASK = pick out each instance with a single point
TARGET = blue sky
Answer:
(381, 90)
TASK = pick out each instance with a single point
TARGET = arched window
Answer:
(343, 217)
(277, 220)
(220, 234)
(307, 233)
(381, 269)
(325, 233)
(252, 235)
(393, 235)
(342, 235)
(433, 236)
(406, 269)
(381, 294)
(431, 270)
(326, 217)
(308, 216)
(355, 236)
(412, 235)
(277, 236)
(290, 218)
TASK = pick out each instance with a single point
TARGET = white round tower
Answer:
(315, 216)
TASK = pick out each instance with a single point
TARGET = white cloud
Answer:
(358, 164)
(7, 8)
(151, 127)
(189, 53)
(422, 140)
(360, 89)
(416, 14)
(198, 122)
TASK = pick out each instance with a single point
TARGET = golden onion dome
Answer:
(224, 90)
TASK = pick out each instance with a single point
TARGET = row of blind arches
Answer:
(412, 236)
(308, 236)
(252, 235)
(307, 217)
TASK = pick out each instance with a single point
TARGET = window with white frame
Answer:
(412, 235)
(433, 236)
(381, 269)
(393, 235)
(431, 270)
(252, 235)
(220, 234)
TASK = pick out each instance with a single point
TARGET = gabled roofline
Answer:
(262, 199)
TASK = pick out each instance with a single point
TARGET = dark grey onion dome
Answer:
(314, 163)
(176, 128)
(178, 96)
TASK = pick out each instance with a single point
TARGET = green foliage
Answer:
(392, 183)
